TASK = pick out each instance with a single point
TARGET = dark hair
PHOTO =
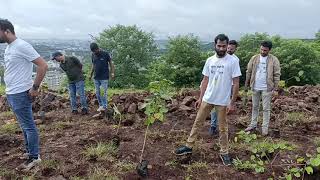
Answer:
(6, 25)
(267, 44)
(221, 37)
(94, 46)
(233, 42)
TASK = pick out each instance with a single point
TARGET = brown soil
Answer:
(64, 138)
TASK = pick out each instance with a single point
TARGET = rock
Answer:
(132, 108)
(193, 116)
(185, 108)
(308, 99)
(302, 105)
(60, 177)
(175, 102)
(172, 108)
(318, 112)
(188, 100)
(120, 108)
(141, 106)
(98, 116)
(123, 97)
(38, 121)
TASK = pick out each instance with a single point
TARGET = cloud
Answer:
(205, 18)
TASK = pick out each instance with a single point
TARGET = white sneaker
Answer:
(100, 109)
(264, 132)
(28, 164)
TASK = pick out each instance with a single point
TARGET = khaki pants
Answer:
(266, 105)
(203, 112)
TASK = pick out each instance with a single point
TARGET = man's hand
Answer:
(275, 92)
(231, 108)
(33, 93)
(112, 76)
(198, 103)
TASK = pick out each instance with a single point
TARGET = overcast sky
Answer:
(204, 18)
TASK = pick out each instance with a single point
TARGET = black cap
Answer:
(56, 54)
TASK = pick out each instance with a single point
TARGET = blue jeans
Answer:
(73, 89)
(21, 105)
(103, 100)
(214, 119)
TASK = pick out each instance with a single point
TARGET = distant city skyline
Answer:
(65, 19)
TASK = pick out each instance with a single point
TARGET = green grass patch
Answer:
(2, 90)
(101, 151)
(11, 128)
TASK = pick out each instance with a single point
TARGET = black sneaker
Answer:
(84, 111)
(182, 150)
(225, 159)
(213, 131)
(29, 164)
(74, 112)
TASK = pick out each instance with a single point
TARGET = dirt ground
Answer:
(65, 137)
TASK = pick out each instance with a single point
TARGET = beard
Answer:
(229, 52)
(221, 53)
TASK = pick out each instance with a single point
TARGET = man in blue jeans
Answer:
(19, 58)
(73, 68)
(231, 49)
(101, 67)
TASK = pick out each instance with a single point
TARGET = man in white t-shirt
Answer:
(220, 71)
(231, 49)
(19, 58)
(263, 75)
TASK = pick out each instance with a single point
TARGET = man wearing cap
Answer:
(73, 68)
(101, 67)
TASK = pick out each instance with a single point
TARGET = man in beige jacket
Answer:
(263, 76)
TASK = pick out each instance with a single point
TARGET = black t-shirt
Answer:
(101, 65)
(73, 69)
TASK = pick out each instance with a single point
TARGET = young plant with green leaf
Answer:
(161, 91)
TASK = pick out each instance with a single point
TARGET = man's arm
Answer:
(91, 72)
(248, 73)
(77, 62)
(42, 68)
(111, 68)
(235, 89)
(203, 87)
(276, 73)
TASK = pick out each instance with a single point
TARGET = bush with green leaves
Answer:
(303, 166)
(299, 62)
(183, 61)
(246, 137)
(254, 163)
(267, 148)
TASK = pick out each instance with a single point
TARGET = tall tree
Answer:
(132, 51)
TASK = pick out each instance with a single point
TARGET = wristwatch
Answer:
(35, 87)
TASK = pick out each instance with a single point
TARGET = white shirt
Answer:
(261, 75)
(236, 57)
(18, 58)
(220, 72)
